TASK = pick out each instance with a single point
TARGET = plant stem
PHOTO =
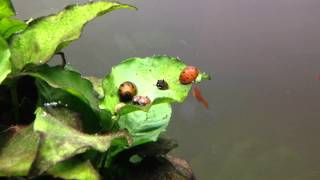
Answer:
(103, 160)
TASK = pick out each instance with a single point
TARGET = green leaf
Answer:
(61, 138)
(72, 83)
(47, 35)
(18, 153)
(146, 126)
(6, 9)
(144, 73)
(142, 126)
(97, 84)
(74, 169)
(5, 65)
(9, 26)
(50, 96)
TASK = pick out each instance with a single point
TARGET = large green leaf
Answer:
(72, 83)
(145, 123)
(9, 26)
(5, 65)
(144, 73)
(143, 127)
(19, 151)
(61, 138)
(146, 126)
(6, 9)
(74, 169)
(47, 35)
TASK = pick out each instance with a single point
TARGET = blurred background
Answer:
(264, 117)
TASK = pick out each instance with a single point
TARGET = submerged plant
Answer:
(55, 122)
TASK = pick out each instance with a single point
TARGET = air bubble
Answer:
(50, 104)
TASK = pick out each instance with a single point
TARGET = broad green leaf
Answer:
(142, 126)
(50, 96)
(72, 83)
(144, 73)
(6, 9)
(47, 35)
(5, 65)
(18, 153)
(61, 137)
(74, 169)
(9, 26)
(146, 126)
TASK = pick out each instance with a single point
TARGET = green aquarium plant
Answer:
(55, 122)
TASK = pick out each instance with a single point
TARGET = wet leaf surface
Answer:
(47, 35)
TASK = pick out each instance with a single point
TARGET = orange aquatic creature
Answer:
(197, 93)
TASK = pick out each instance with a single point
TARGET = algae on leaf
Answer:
(47, 35)
(61, 138)
(19, 151)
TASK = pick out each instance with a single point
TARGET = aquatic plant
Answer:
(56, 122)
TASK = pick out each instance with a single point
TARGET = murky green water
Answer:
(264, 116)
